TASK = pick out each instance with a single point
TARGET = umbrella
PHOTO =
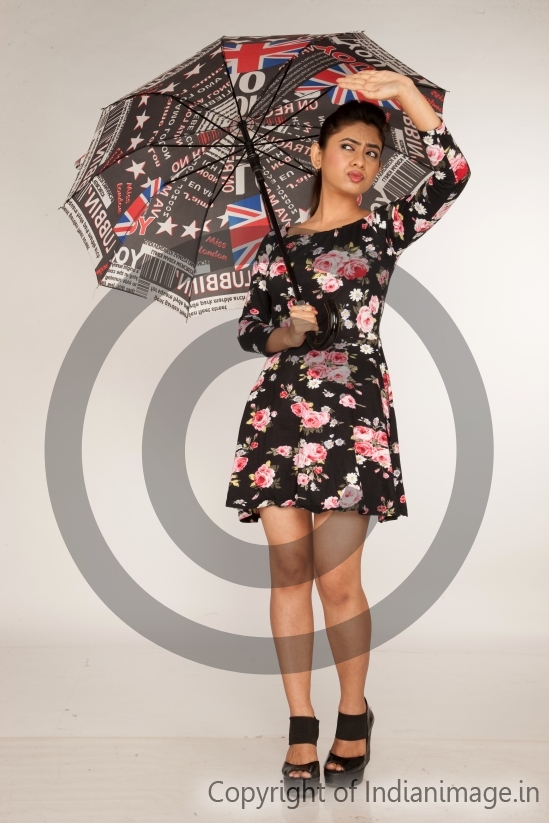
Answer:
(185, 175)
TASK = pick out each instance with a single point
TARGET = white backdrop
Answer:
(485, 262)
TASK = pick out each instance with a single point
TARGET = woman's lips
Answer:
(356, 176)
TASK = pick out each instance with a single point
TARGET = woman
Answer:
(318, 447)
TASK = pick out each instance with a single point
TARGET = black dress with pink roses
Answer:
(319, 429)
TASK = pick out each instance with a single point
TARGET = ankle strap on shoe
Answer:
(352, 726)
(303, 729)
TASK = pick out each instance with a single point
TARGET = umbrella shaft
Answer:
(255, 165)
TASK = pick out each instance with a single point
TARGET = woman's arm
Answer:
(409, 217)
(255, 329)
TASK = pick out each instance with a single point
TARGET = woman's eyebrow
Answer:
(357, 143)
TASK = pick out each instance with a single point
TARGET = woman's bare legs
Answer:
(298, 552)
(289, 533)
(338, 551)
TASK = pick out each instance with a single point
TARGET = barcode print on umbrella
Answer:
(401, 177)
(108, 132)
(160, 272)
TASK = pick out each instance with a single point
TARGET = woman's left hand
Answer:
(378, 85)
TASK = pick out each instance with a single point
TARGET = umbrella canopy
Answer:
(168, 199)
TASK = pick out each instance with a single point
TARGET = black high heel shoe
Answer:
(350, 727)
(302, 730)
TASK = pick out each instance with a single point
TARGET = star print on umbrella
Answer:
(165, 198)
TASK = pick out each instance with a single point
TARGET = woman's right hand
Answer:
(302, 320)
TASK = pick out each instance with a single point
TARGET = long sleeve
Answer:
(255, 326)
(410, 217)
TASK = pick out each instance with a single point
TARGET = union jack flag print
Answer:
(248, 224)
(244, 57)
(129, 221)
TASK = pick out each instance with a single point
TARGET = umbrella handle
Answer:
(323, 340)
(320, 340)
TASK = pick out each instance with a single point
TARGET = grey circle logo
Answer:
(195, 533)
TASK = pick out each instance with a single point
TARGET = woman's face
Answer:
(350, 160)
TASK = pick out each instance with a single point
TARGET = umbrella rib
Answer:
(194, 111)
(205, 166)
(312, 100)
(284, 73)
(285, 162)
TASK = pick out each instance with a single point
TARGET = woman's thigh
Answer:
(289, 534)
(338, 540)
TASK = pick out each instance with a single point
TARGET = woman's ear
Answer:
(316, 155)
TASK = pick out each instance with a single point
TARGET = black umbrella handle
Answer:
(316, 341)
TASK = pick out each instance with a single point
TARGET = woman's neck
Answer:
(333, 213)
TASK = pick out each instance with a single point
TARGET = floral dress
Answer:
(319, 430)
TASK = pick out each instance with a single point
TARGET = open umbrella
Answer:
(185, 175)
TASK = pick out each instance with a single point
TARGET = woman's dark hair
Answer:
(352, 112)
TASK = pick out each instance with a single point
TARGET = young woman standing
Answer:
(318, 449)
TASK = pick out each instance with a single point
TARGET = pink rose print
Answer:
(254, 311)
(303, 479)
(315, 357)
(364, 448)
(347, 400)
(350, 496)
(317, 470)
(329, 263)
(353, 269)
(382, 457)
(385, 406)
(422, 225)
(263, 263)
(310, 453)
(270, 361)
(315, 452)
(284, 451)
(383, 277)
(339, 357)
(403, 498)
(284, 395)
(397, 223)
(261, 418)
(331, 284)
(287, 503)
(240, 463)
(435, 154)
(373, 305)
(258, 383)
(253, 445)
(314, 420)
(299, 408)
(459, 166)
(264, 476)
(363, 433)
(380, 438)
(277, 268)
(364, 319)
(331, 503)
(317, 372)
(387, 386)
(339, 374)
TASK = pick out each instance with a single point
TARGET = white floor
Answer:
(116, 734)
